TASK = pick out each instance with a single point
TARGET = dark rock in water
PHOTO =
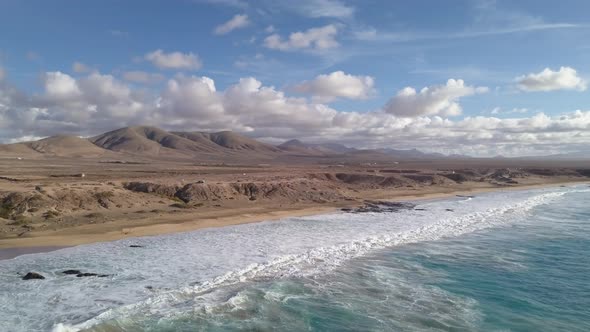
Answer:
(135, 246)
(465, 196)
(33, 275)
(397, 205)
(381, 207)
(417, 209)
(346, 210)
(80, 275)
(71, 272)
(450, 210)
(86, 274)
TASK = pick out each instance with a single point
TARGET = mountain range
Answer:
(151, 142)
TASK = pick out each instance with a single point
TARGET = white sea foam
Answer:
(322, 259)
(213, 258)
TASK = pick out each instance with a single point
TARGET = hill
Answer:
(410, 154)
(150, 141)
(147, 142)
(229, 140)
(295, 146)
(67, 146)
(58, 146)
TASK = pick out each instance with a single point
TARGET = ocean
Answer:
(502, 261)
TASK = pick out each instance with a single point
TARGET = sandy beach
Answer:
(41, 241)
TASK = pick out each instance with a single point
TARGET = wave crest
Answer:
(318, 260)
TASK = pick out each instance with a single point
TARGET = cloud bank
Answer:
(99, 102)
(435, 100)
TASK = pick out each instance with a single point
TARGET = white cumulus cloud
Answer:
(236, 22)
(566, 78)
(185, 97)
(434, 100)
(326, 88)
(174, 60)
(315, 39)
(60, 85)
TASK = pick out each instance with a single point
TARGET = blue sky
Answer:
(491, 46)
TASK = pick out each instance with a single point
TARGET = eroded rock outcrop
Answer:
(149, 187)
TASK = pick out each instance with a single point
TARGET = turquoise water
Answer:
(531, 275)
(506, 261)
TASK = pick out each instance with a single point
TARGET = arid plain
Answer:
(138, 181)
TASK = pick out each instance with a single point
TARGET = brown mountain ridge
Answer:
(147, 142)
(150, 142)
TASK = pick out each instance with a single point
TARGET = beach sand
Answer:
(41, 241)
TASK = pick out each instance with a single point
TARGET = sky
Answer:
(477, 77)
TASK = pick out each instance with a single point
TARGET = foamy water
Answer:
(174, 272)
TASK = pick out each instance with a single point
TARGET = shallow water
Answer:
(8, 253)
(511, 261)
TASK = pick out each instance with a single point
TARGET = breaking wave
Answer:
(322, 259)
